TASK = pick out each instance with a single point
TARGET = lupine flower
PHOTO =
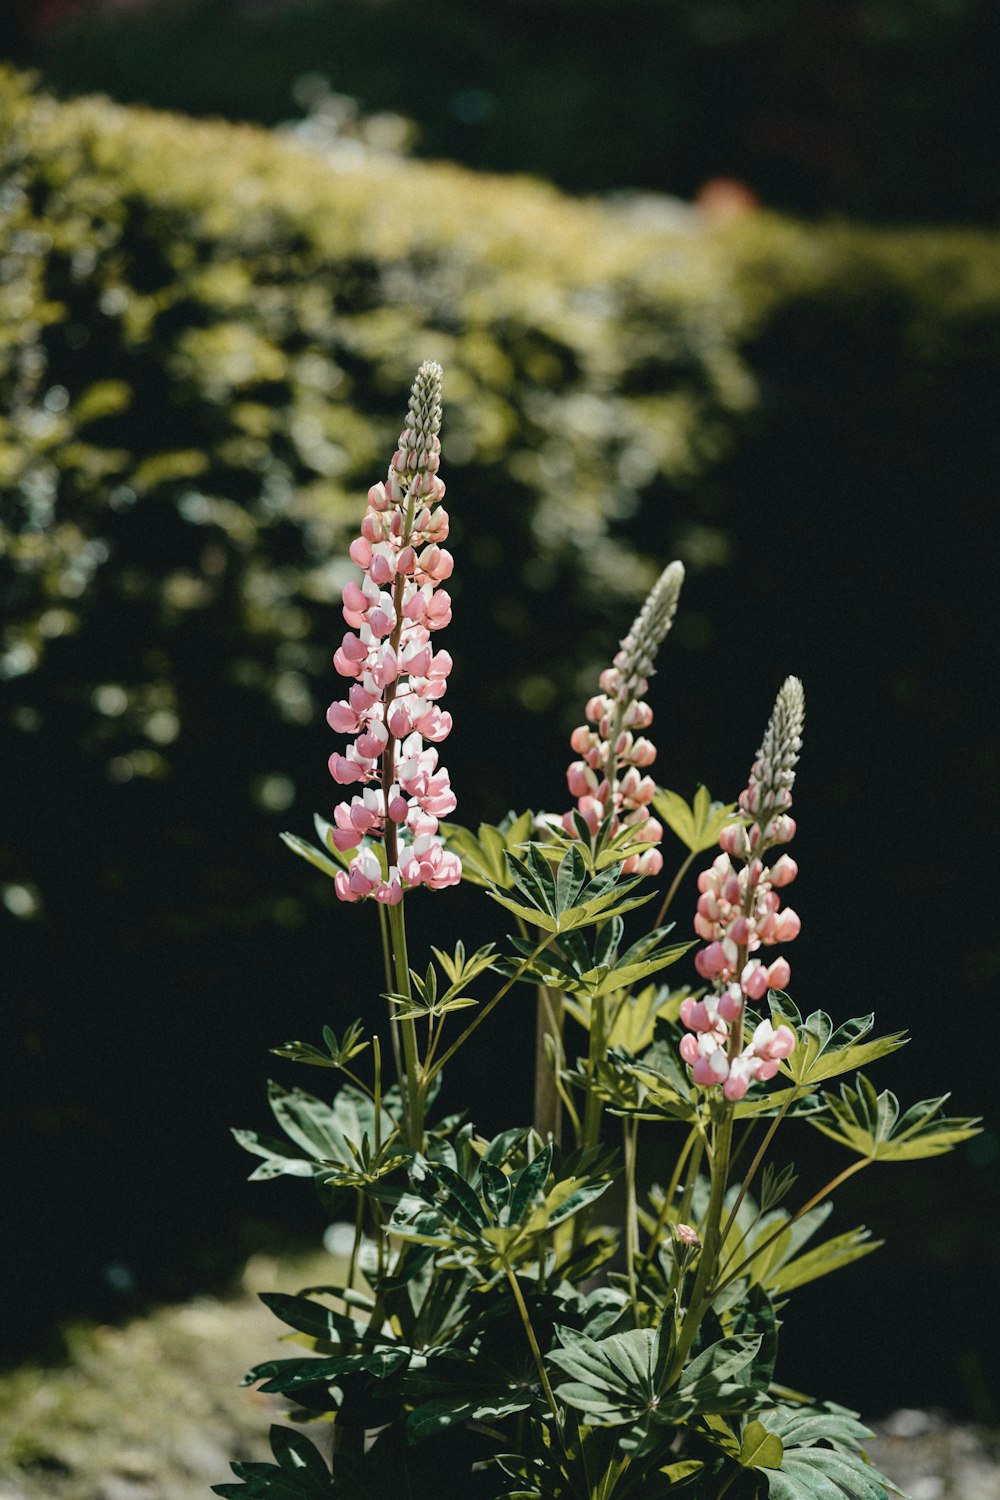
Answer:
(739, 913)
(613, 751)
(396, 675)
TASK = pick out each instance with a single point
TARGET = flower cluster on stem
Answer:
(739, 913)
(614, 753)
(397, 677)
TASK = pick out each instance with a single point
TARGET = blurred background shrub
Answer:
(206, 338)
(886, 109)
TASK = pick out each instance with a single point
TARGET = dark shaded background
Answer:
(861, 517)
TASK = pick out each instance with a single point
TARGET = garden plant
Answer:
(587, 1305)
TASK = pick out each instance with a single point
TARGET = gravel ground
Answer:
(154, 1411)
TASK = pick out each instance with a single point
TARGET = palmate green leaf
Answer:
(634, 1022)
(461, 1206)
(810, 1423)
(620, 1380)
(339, 1050)
(627, 972)
(697, 826)
(461, 971)
(822, 1052)
(482, 857)
(715, 1381)
(825, 1474)
(871, 1125)
(831, 1255)
(309, 1122)
(568, 897)
(613, 1380)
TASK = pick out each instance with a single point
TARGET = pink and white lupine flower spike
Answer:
(739, 912)
(396, 675)
(608, 776)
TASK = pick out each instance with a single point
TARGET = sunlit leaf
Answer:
(697, 826)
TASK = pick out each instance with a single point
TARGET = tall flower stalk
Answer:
(397, 679)
(612, 790)
(739, 912)
(608, 780)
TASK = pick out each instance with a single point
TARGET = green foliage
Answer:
(697, 826)
(566, 898)
(822, 1051)
(871, 1125)
(483, 855)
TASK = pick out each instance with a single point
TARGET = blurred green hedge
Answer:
(206, 338)
(206, 335)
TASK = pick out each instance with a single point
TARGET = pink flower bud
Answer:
(787, 926)
(710, 961)
(353, 649)
(783, 871)
(345, 771)
(399, 721)
(778, 974)
(739, 932)
(371, 529)
(342, 718)
(689, 1050)
(731, 1003)
(754, 980)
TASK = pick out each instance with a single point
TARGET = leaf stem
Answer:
(494, 1000)
(397, 1055)
(799, 1213)
(708, 1261)
(668, 1198)
(535, 1351)
(630, 1134)
(752, 1169)
(596, 1050)
(414, 1083)
(672, 892)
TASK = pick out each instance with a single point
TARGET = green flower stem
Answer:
(754, 1165)
(359, 1221)
(535, 1351)
(397, 1054)
(630, 1138)
(709, 1259)
(693, 1171)
(799, 1213)
(595, 1055)
(494, 1000)
(672, 892)
(414, 1082)
(548, 1023)
(668, 1198)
